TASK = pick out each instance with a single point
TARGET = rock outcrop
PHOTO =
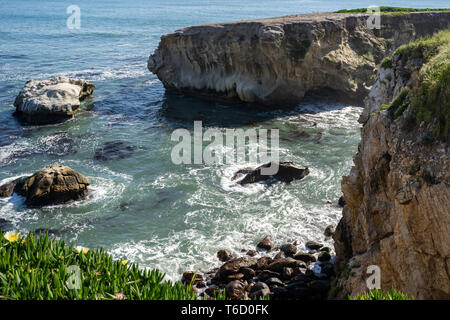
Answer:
(50, 101)
(277, 61)
(54, 185)
(283, 171)
(397, 211)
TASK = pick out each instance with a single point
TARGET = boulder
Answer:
(235, 290)
(54, 185)
(224, 255)
(263, 262)
(191, 277)
(312, 245)
(279, 264)
(305, 257)
(329, 231)
(259, 290)
(287, 172)
(288, 249)
(266, 243)
(324, 257)
(234, 266)
(52, 100)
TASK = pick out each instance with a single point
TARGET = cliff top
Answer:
(308, 18)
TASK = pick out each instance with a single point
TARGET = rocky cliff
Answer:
(277, 61)
(397, 214)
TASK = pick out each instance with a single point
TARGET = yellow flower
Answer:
(23, 241)
(124, 262)
(81, 249)
(12, 236)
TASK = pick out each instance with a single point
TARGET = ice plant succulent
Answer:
(12, 236)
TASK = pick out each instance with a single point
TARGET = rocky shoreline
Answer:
(284, 272)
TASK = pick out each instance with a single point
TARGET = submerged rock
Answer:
(287, 172)
(54, 185)
(50, 101)
(114, 150)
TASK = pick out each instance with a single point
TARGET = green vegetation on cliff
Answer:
(46, 269)
(430, 101)
(385, 9)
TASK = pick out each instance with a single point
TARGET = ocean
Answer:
(144, 208)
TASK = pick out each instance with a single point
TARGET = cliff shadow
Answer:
(180, 110)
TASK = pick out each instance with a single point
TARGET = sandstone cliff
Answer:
(397, 214)
(277, 61)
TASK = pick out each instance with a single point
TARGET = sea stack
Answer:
(51, 101)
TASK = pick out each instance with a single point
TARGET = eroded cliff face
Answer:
(397, 214)
(277, 61)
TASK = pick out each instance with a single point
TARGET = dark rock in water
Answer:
(252, 253)
(9, 188)
(313, 245)
(259, 290)
(325, 249)
(324, 257)
(191, 277)
(279, 264)
(329, 231)
(233, 266)
(54, 185)
(59, 144)
(289, 249)
(224, 255)
(305, 257)
(341, 201)
(114, 150)
(287, 172)
(235, 290)
(266, 243)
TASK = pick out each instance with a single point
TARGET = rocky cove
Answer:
(396, 209)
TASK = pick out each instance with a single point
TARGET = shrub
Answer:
(386, 63)
(38, 269)
(380, 295)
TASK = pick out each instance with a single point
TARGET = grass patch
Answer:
(387, 9)
(423, 48)
(38, 268)
(380, 295)
(431, 101)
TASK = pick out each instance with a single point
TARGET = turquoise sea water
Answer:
(143, 207)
